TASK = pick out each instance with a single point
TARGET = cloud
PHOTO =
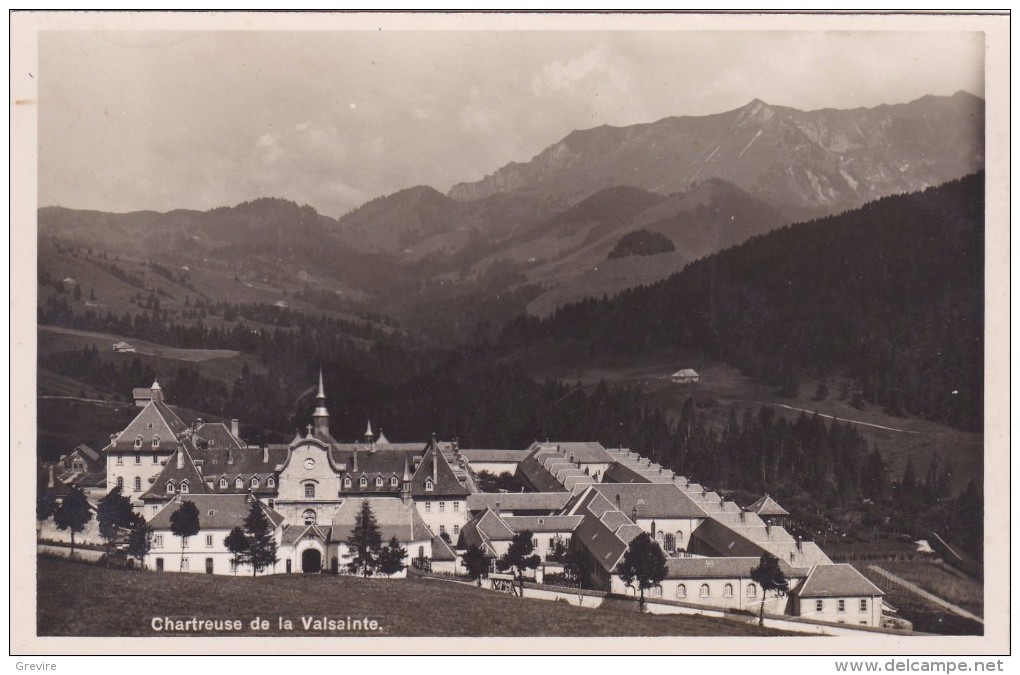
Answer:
(598, 66)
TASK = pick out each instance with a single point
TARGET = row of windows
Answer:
(157, 541)
(706, 592)
(862, 605)
(456, 529)
(442, 507)
(138, 444)
(254, 482)
(363, 481)
(138, 458)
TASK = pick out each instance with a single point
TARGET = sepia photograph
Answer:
(372, 326)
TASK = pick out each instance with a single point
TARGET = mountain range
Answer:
(705, 183)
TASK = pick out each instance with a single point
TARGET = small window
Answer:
(155, 441)
(170, 487)
(456, 507)
(157, 541)
(309, 490)
(655, 592)
(363, 482)
(864, 605)
(254, 482)
(552, 542)
(138, 458)
(155, 509)
(819, 605)
(185, 487)
(752, 591)
(138, 484)
(704, 591)
(270, 482)
(728, 591)
(428, 507)
(272, 503)
(428, 485)
(456, 529)
(138, 441)
(238, 483)
(208, 541)
(442, 529)
(393, 481)
(120, 460)
(223, 483)
(681, 591)
(185, 564)
(841, 605)
(155, 459)
(378, 481)
(442, 507)
(863, 622)
(347, 481)
(120, 482)
(534, 543)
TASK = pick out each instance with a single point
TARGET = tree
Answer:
(261, 543)
(476, 563)
(45, 506)
(365, 542)
(769, 576)
(578, 564)
(519, 557)
(237, 544)
(184, 523)
(139, 539)
(643, 565)
(822, 392)
(113, 514)
(391, 557)
(73, 513)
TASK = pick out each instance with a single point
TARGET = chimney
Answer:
(180, 458)
(497, 508)
(51, 476)
(768, 529)
(435, 468)
(800, 543)
(617, 500)
(198, 423)
(354, 460)
(157, 392)
(571, 458)
(230, 456)
(743, 515)
(235, 428)
(265, 454)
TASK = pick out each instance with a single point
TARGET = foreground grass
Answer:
(83, 600)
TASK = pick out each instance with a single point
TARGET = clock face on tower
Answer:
(309, 463)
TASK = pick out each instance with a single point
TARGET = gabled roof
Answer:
(585, 452)
(388, 463)
(393, 516)
(686, 372)
(838, 580)
(138, 392)
(87, 452)
(766, 506)
(441, 550)
(230, 462)
(187, 472)
(215, 512)
(155, 419)
(493, 527)
(550, 502)
(652, 500)
(216, 435)
(719, 540)
(446, 483)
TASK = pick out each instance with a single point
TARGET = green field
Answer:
(84, 600)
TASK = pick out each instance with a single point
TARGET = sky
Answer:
(133, 120)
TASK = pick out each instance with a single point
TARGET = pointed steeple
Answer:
(368, 431)
(320, 417)
(405, 485)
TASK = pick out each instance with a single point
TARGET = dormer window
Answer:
(223, 483)
(393, 481)
(185, 487)
(254, 482)
(270, 482)
(155, 441)
(378, 481)
(238, 483)
(429, 485)
(138, 441)
(170, 487)
(347, 481)
(363, 482)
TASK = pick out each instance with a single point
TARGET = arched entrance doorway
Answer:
(311, 561)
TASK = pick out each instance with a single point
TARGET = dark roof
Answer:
(719, 568)
(518, 501)
(215, 512)
(542, 523)
(441, 550)
(231, 462)
(216, 435)
(87, 452)
(620, 473)
(91, 480)
(393, 516)
(293, 533)
(138, 392)
(494, 455)
(839, 580)
(493, 527)
(383, 463)
(155, 419)
(604, 532)
(470, 535)
(187, 471)
(717, 539)
(446, 483)
(766, 506)
(586, 452)
(652, 500)
(533, 471)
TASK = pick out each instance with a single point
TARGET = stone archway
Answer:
(311, 561)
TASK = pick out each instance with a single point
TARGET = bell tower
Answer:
(320, 418)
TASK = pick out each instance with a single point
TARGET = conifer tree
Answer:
(365, 542)
(114, 513)
(262, 548)
(73, 513)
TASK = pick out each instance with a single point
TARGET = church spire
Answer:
(320, 417)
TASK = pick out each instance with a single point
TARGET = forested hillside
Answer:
(890, 296)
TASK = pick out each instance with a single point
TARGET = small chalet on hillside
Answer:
(685, 376)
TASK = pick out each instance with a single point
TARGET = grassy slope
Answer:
(77, 600)
(727, 387)
(926, 616)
